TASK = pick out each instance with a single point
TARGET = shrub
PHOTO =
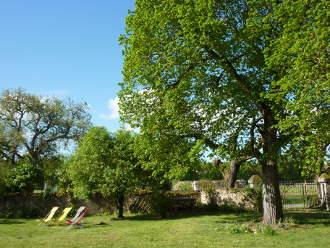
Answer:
(251, 228)
(265, 229)
(238, 228)
(209, 171)
(3, 177)
(208, 187)
(24, 177)
(183, 186)
(255, 195)
(162, 203)
(287, 222)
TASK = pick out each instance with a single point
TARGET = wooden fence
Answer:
(299, 194)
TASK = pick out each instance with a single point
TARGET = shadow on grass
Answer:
(226, 215)
(10, 222)
(301, 217)
(310, 217)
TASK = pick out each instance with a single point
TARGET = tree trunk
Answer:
(272, 203)
(120, 205)
(234, 168)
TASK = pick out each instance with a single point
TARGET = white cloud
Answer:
(113, 108)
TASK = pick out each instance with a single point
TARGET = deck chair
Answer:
(65, 213)
(78, 217)
(49, 217)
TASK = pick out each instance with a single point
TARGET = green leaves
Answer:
(106, 164)
(211, 70)
(299, 54)
(24, 177)
(182, 62)
(89, 162)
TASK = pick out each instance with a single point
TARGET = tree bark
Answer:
(120, 205)
(272, 203)
(234, 168)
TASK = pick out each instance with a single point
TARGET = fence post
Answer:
(324, 181)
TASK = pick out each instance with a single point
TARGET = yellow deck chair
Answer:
(65, 213)
(50, 215)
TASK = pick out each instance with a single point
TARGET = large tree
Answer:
(36, 127)
(199, 66)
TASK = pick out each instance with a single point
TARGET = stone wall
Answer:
(239, 199)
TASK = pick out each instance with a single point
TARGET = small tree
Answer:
(105, 164)
(125, 172)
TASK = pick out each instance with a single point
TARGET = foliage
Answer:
(63, 179)
(249, 169)
(255, 196)
(24, 177)
(161, 93)
(125, 173)
(210, 172)
(245, 228)
(266, 230)
(183, 186)
(90, 161)
(167, 156)
(168, 203)
(207, 186)
(299, 53)
(4, 171)
(106, 164)
(162, 203)
(238, 228)
(50, 166)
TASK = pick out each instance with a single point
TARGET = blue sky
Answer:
(65, 48)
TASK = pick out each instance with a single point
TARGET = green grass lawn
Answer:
(204, 230)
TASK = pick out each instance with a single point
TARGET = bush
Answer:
(162, 203)
(24, 177)
(208, 187)
(251, 228)
(265, 229)
(183, 186)
(3, 178)
(149, 202)
(239, 228)
(255, 195)
(209, 171)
